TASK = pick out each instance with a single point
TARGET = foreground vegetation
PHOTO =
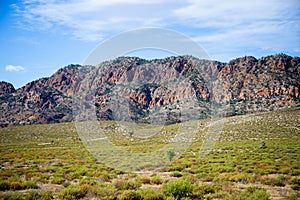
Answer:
(257, 157)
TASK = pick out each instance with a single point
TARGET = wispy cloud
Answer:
(231, 26)
(241, 26)
(14, 68)
(90, 20)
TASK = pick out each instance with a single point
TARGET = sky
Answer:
(38, 37)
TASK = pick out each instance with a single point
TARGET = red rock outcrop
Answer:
(166, 87)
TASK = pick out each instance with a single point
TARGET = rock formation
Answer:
(173, 89)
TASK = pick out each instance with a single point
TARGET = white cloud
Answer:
(237, 28)
(231, 12)
(14, 68)
(90, 20)
(219, 25)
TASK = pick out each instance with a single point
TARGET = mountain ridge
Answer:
(245, 84)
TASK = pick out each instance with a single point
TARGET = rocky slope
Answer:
(162, 90)
(6, 88)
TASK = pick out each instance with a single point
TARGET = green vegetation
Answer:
(257, 157)
(156, 180)
(171, 154)
(178, 189)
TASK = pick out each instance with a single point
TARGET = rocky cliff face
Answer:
(170, 90)
(6, 88)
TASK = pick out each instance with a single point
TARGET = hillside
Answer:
(257, 157)
(170, 90)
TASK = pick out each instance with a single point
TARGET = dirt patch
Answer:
(51, 187)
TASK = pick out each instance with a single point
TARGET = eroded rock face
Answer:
(6, 88)
(149, 89)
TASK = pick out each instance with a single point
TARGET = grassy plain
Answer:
(256, 157)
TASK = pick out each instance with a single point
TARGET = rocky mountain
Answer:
(166, 90)
(6, 88)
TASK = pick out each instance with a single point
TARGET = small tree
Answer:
(171, 154)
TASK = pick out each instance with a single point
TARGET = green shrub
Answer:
(205, 189)
(263, 145)
(87, 181)
(295, 187)
(12, 196)
(127, 184)
(178, 188)
(66, 184)
(279, 181)
(295, 181)
(170, 198)
(16, 185)
(149, 194)
(129, 195)
(176, 174)
(177, 167)
(217, 195)
(145, 180)
(104, 191)
(44, 178)
(258, 193)
(171, 153)
(33, 195)
(58, 180)
(105, 176)
(47, 195)
(4, 185)
(72, 192)
(294, 196)
(156, 180)
(29, 185)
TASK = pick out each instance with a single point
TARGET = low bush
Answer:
(176, 174)
(295, 187)
(105, 191)
(205, 189)
(295, 184)
(258, 193)
(33, 195)
(47, 195)
(87, 181)
(295, 181)
(58, 180)
(217, 195)
(16, 185)
(177, 167)
(29, 185)
(145, 180)
(127, 184)
(129, 195)
(294, 196)
(72, 192)
(279, 181)
(156, 180)
(104, 176)
(12, 196)
(4, 185)
(149, 194)
(178, 188)
(43, 178)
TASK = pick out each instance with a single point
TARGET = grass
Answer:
(256, 157)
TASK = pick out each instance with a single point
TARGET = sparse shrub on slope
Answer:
(178, 188)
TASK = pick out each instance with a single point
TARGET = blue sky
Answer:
(40, 36)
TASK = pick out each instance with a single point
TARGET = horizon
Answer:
(39, 37)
